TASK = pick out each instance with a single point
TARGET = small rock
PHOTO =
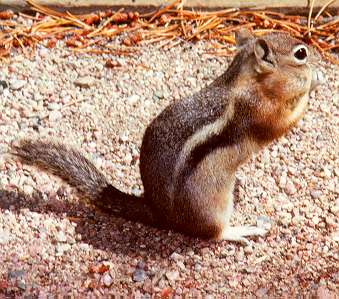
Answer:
(197, 267)
(315, 220)
(3, 84)
(285, 218)
(172, 275)
(316, 194)
(53, 106)
(60, 236)
(54, 116)
(228, 251)
(17, 84)
(192, 81)
(264, 222)
(335, 209)
(330, 221)
(159, 75)
(290, 188)
(327, 173)
(61, 249)
(84, 82)
(141, 265)
(5, 237)
(123, 137)
(107, 280)
(233, 283)
(282, 182)
(335, 236)
(21, 285)
(139, 275)
(133, 99)
(261, 292)
(265, 156)
(181, 265)
(16, 274)
(176, 257)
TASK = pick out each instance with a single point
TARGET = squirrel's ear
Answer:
(264, 56)
(243, 36)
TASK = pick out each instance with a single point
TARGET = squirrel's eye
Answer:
(300, 53)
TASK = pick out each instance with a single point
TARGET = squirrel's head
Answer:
(280, 71)
(283, 65)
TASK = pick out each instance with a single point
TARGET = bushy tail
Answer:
(79, 172)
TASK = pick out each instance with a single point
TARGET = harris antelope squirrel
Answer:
(191, 151)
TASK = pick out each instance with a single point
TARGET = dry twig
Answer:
(167, 26)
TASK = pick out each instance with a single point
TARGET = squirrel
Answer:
(190, 152)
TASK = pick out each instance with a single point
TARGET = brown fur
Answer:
(190, 152)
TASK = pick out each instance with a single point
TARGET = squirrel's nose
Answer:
(317, 78)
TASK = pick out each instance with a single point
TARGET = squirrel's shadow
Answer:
(103, 231)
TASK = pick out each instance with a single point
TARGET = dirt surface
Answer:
(51, 243)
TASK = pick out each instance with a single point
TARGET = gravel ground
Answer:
(51, 243)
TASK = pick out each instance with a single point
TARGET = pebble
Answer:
(172, 276)
(21, 285)
(141, 265)
(290, 188)
(133, 99)
(3, 84)
(264, 222)
(60, 248)
(229, 251)
(181, 265)
(85, 82)
(16, 274)
(335, 236)
(139, 275)
(53, 106)
(176, 257)
(285, 218)
(107, 280)
(315, 220)
(315, 194)
(5, 237)
(60, 237)
(197, 267)
(261, 292)
(17, 84)
(54, 116)
(282, 182)
(192, 81)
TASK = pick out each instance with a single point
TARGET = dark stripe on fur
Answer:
(233, 133)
